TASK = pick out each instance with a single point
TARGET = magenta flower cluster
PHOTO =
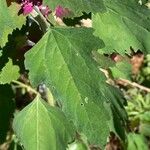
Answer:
(27, 7)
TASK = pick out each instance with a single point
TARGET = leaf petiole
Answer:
(29, 88)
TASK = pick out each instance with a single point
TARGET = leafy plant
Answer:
(50, 66)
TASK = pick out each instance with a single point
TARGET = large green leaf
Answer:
(9, 20)
(62, 60)
(6, 110)
(77, 6)
(125, 24)
(42, 127)
(9, 72)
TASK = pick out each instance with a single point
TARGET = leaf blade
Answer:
(9, 20)
(62, 60)
(46, 126)
(124, 25)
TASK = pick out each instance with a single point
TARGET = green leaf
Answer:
(145, 123)
(144, 129)
(125, 24)
(6, 110)
(9, 72)
(9, 20)
(103, 61)
(136, 142)
(40, 126)
(62, 60)
(121, 69)
(80, 143)
(77, 145)
(77, 6)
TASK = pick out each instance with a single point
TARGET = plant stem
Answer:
(41, 20)
(29, 88)
(133, 84)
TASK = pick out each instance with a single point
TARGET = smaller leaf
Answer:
(122, 69)
(40, 126)
(9, 20)
(144, 129)
(136, 142)
(103, 61)
(9, 72)
(77, 145)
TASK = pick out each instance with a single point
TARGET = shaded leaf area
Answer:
(14, 146)
(76, 20)
(6, 110)
(62, 60)
(124, 26)
(46, 126)
(18, 43)
(14, 49)
(78, 6)
(9, 20)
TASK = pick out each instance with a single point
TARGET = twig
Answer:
(133, 84)
(125, 82)
(29, 88)
(42, 20)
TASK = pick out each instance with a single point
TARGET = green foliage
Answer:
(66, 66)
(144, 75)
(78, 6)
(9, 72)
(125, 24)
(136, 142)
(138, 110)
(9, 20)
(46, 126)
(61, 63)
(122, 69)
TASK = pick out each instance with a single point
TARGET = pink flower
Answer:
(61, 12)
(45, 10)
(27, 8)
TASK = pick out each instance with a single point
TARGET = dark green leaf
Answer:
(62, 60)
(125, 24)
